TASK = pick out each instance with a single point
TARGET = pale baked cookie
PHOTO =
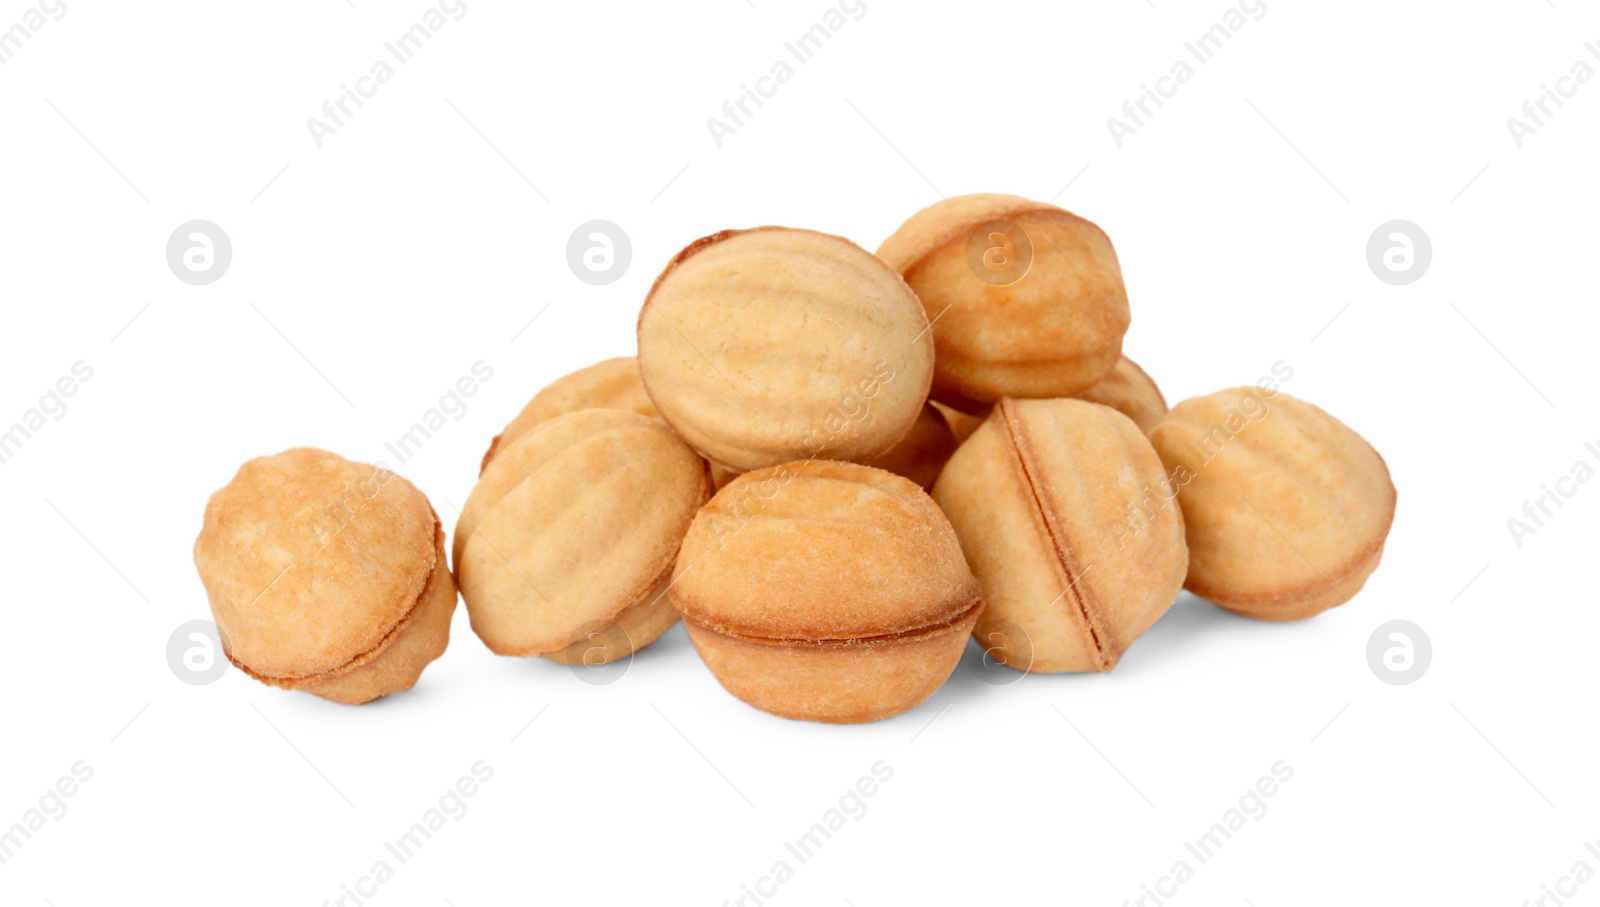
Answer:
(773, 344)
(1287, 508)
(1062, 512)
(919, 456)
(1128, 390)
(326, 576)
(567, 542)
(611, 384)
(826, 591)
(1026, 299)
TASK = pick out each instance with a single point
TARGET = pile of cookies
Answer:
(836, 467)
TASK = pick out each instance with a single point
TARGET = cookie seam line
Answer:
(1019, 448)
(910, 635)
(360, 659)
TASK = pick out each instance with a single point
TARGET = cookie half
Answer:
(326, 575)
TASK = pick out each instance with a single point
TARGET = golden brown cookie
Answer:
(769, 345)
(923, 451)
(720, 476)
(326, 576)
(611, 384)
(1026, 299)
(826, 591)
(1062, 513)
(1287, 508)
(962, 425)
(1128, 390)
(567, 542)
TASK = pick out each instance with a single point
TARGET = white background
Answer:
(372, 273)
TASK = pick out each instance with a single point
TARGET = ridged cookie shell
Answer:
(1039, 496)
(294, 603)
(1293, 505)
(767, 345)
(821, 550)
(609, 384)
(571, 525)
(1053, 333)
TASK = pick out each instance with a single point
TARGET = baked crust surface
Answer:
(923, 451)
(821, 550)
(311, 561)
(768, 345)
(609, 384)
(1128, 390)
(1052, 333)
(1288, 508)
(1041, 496)
(826, 591)
(571, 526)
(398, 661)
